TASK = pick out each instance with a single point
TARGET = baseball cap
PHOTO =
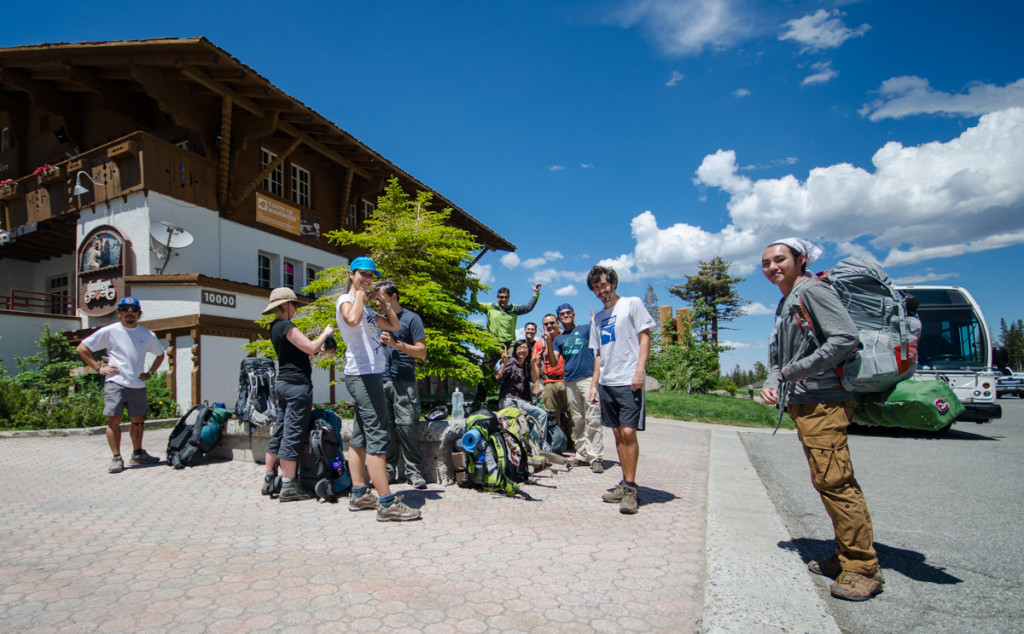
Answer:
(564, 307)
(363, 263)
(130, 302)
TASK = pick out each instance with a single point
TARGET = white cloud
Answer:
(789, 160)
(587, 166)
(930, 201)
(510, 260)
(686, 28)
(909, 95)
(482, 272)
(567, 291)
(553, 255)
(556, 168)
(736, 345)
(675, 78)
(757, 308)
(823, 30)
(741, 92)
(823, 73)
(533, 263)
(924, 278)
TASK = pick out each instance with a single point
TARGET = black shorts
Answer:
(622, 406)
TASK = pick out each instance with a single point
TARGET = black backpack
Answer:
(196, 433)
(257, 403)
(322, 468)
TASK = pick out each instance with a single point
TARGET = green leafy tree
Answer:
(429, 261)
(717, 289)
(1013, 340)
(651, 304)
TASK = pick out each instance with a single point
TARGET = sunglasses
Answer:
(549, 323)
(564, 313)
(128, 309)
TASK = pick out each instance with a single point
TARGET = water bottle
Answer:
(338, 467)
(458, 411)
(481, 465)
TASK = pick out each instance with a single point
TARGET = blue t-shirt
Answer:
(400, 366)
(579, 358)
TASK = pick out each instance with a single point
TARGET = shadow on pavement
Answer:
(955, 433)
(908, 563)
(654, 496)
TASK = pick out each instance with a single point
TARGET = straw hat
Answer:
(280, 296)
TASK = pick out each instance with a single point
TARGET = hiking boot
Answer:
(831, 568)
(116, 465)
(596, 466)
(292, 492)
(856, 587)
(365, 503)
(141, 457)
(826, 567)
(268, 485)
(575, 462)
(615, 495)
(630, 500)
(417, 482)
(397, 512)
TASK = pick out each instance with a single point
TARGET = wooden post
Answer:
(196, 377)
(224, 177)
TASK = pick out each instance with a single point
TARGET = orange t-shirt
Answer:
(552, 373)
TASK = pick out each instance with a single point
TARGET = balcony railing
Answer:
(137, 162)
(37, 302)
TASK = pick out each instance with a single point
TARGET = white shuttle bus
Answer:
(956, 347)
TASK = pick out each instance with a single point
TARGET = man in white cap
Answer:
(124, 385)
(813, 334)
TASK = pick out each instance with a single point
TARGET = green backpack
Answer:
(924, 405)
(499, 461)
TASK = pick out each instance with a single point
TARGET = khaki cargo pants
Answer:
(822, 431)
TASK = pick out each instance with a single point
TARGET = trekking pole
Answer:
(784, 389)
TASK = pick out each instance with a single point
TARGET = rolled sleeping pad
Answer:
(471, 439)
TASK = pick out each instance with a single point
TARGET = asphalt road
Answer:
(948, 515)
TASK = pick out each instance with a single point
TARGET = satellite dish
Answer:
(165, 237)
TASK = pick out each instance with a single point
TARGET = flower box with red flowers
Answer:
(8, 188)
(46, 173)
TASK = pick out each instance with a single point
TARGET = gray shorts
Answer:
(116, 398)
(370, 424)
(622, 406)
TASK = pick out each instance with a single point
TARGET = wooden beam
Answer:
(224, 177)
(220, 88)
(170, 100)
(291, 130)
(262, 175)
(346, 195)
(43, 96)
(135, 106)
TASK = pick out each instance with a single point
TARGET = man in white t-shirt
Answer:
(127, 344)
(620, 336)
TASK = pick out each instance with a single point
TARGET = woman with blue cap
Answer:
(360, 328)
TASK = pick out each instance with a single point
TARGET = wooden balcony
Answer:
(138, 162)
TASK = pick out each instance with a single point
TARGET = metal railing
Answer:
(38, 302)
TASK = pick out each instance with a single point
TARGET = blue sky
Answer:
(653, 134)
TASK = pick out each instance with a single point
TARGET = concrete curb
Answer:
(752, 584)
(82, 431)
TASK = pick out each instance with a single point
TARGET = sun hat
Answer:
(280, 296)
(363, 263)
(130, 301)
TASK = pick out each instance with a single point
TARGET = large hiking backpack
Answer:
(196, 433)
(325, 468)
(257, 403)
(499, 461)
(888, 331)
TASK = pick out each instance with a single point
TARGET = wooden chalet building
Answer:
(110, 151)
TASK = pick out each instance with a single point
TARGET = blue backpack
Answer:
(325, 466)
(196, 433)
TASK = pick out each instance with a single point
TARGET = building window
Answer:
(311, 273)
(274, 182)
(300, 186)
(5, 140)
(263, 271)
(351, 219)
(57, 286)
(368, 208)
(288, 274)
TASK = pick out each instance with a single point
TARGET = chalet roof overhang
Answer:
(177, 71)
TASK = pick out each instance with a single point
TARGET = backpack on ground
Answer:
(924, 405)
(888, 330)
(195, 434)
(323, 468)
(257, 403)
(496, 459)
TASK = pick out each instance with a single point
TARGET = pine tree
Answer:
(651, 304)
(717, 289)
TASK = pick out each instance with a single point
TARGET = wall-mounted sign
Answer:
(101, 265)
(277, 214)
(218, 299)
(287, 218)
